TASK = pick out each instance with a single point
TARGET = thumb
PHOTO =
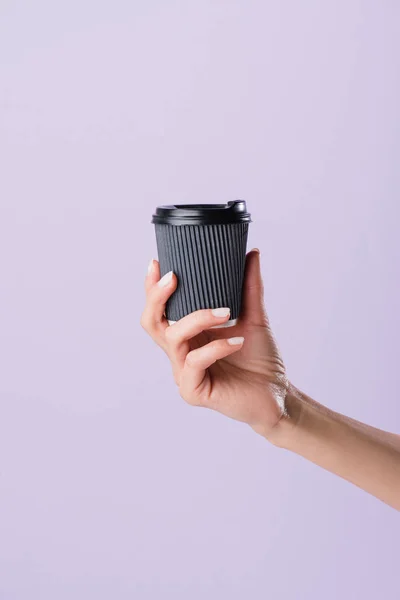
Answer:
(253, 310)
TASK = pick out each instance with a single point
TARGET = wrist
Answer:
(291, 421)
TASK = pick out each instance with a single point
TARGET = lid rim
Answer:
(202, 214)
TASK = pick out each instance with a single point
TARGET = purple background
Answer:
(110, 486)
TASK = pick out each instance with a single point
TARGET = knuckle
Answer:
(177, 377)
(190, 399)
(144, 322)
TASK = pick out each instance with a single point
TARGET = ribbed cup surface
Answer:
(209, 263)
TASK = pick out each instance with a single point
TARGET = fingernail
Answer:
(150, 267)
(256, 250)
(221, 312)
(235, 341)
(164, 281)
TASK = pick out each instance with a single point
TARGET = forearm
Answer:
(365, 456)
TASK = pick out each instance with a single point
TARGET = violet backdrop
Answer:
(110, 486)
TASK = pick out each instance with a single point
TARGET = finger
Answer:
(253, 310)
(153, 319)
(153, 274)
(188, 327)
(197, 362)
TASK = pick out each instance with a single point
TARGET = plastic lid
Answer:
(202, 214)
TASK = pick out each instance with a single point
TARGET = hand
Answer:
(242, 377)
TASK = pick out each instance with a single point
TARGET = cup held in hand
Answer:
(205, 246)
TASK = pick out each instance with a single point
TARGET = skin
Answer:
(243, 377)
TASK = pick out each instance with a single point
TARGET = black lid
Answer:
(202, 214)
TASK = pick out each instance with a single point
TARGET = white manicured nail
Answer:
(150, 267)
(164, 281)
(221, 312)
(235, 341)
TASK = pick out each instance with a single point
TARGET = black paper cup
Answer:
(205, 246)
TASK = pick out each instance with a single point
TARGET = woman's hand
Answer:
(238, 370)
(244, 378)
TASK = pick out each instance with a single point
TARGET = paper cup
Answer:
(205, 246)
